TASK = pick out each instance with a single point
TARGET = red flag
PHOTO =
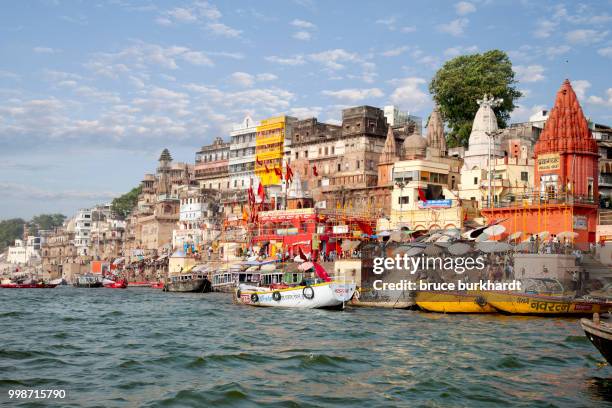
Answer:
(278, 172)
(289, 174)
(267, 169)
(365, 227)
(302, 255)
(422, 195)
(260, 191)
(251, 195)
(321, 273)
(259, 163)
(314, 171)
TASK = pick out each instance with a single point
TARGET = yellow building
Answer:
(272, 136)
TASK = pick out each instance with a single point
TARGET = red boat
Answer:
(27, 285)
(119, 284)
(142, 284)
(157, 285)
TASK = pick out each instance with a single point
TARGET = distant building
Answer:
(211, 169)
(82, 231)
(242, 155)
(395, 118)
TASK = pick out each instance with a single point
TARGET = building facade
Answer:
(211, 169)
(242, 155)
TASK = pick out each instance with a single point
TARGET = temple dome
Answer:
(415, 146)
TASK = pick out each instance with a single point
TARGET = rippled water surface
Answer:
(143, 347)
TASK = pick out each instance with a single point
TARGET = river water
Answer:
(143, 347)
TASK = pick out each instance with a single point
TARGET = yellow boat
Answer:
(453, 302)
(536, 304)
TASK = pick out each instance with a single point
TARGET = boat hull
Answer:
(28, 285)
(194, 285)
(386, 300)
(600, 334)
(328, 295)
(527, 304)
(88, 285)
(453, 302)
(122, 284)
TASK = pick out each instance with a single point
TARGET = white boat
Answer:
(323, 295)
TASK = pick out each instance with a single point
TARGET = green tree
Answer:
(46, 222)
(10, 230)
(122, 206)
(464, 79)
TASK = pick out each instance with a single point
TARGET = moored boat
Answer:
(35, 285)
(88, 281)
(319, 295)
(453, 302)
(600, 334)
(192, 282)
(538, 304)
(115, 284)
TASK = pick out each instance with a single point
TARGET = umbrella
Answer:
(452, 232)
(543, 234)
(305, 266)
(267, 267)
(433, 237)
(494, 230)
(384, 234)
(493, 246)
(444, 238)
(402, 249)
(567, 234)
(414, 251)
(482, 237)
(515, 236)
(523, 246)
(460, 248)
(298, 259)
(432, 250)
(252, 268)
(396, 236)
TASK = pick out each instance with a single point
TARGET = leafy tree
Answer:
(464, 79)
(122, 206)
(10, 230)
(46, 222)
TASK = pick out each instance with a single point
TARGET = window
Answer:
(306, 153)
(333, 150)
(403, 200)
(357, 163)
(297, 155)
(326, 151)
(475, 180)
(524, 176)
(339, 166)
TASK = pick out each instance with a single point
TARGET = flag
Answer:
(260, 191)
(314, 171)
(365, 227)
(251, 195)
(267, 169)
(321, 273)
(278, 172)
(422, 195)
(289, 174)
(302, 255)
(245, 214)
(259, 163)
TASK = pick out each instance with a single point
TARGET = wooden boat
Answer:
(115, 284)
(317, 295)
(191, 282)
(40, 285)
(368, 297)
(88, 281)
(600, 334)
(453, 302)
(538, 304)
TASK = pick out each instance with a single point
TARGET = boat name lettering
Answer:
(549, 306)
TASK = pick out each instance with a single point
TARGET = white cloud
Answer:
(553, 52)
(585, 36)
(266, 77)
(580, 87)
(242, 79)
(529, 73)
(223, 30)
(394, 52)
(333, 59)
(355, 95)
(34, 193)
(295, 60)
(605, 52)
(306, 112)
(459, 50)
(45, 50)
(455, 27)
(388, 22)
(302, 35)
(408, 29)
(606, 101)
(522, 113)
(463, 7)
(408, 93)
(303, 24)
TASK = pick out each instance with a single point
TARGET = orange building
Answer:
(565, 197)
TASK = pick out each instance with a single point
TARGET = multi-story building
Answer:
(272, 142)
(396, 118)
(211, 169)
(59, 254)
(603, 135)
(242, 155)
(199, 217)
(82, 231)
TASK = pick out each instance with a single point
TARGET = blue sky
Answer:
(92, 91)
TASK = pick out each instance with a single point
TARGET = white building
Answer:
(242, 154)
(483, 143)
(82, 231)
(24, 253)
(396, 117)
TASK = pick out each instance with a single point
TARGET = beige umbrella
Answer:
(494, 230)
(543, 234)
(482, 237)
(432, 250)
(460, 248)
(414, 251)
(514, 236)
(396, 236)
(567, 234)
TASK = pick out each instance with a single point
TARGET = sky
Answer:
(92, 91)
